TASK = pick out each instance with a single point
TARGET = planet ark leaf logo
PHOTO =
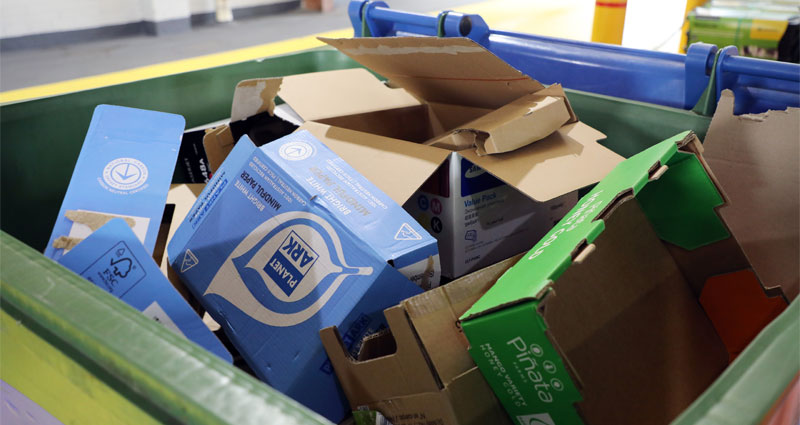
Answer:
(125, 174)
(278, 256)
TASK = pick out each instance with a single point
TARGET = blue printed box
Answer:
(287, 239)
(124, 170)
(114, 259)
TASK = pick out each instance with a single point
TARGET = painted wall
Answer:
(207, 6)
(26, 17)
(29, 17)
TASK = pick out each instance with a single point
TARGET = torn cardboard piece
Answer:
(600, 321)
(94, 220)
(420, 367)
(755, 159)
(253, 112)
(66, 243)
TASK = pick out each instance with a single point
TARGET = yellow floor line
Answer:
(567, 19)
(172, 67)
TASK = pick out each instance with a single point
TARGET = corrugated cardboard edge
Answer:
(463, 71)
(250, 97)
(568, 159)
(764, 221)
(218, 143)
(655, 171)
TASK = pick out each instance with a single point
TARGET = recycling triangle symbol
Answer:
(189, 261)
(406, 233)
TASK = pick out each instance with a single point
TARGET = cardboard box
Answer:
(418, 370)
(124, 170)
(114, 260)
(258, 118)
(287, 239)
(447, 104)
(754, 157)
(600, 322)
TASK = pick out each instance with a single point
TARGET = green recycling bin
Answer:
(80, 355)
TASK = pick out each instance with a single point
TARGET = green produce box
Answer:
(607, 319)
(85, 357)
(766, 32)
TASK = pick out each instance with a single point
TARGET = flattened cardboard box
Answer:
(123, 170)
(287, 239)
(114, 260)
(420, 370)
(449, 101)
(600, 322)
(755, 159)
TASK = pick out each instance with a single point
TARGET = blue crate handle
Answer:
(668, 79)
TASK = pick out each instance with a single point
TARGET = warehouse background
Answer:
(48, 41)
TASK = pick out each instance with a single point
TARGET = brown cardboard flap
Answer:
(218, 143)
(567, 160)
(446, 70)
(519, 123)
(755, 159)
(398, 168)
(434, 315)
(328, 94)
(631, 327)
(253, 97)
(404, 372)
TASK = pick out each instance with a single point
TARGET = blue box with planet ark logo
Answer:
(287, 239)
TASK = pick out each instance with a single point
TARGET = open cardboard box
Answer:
(418, 370)
(612, 317)
(447, 104)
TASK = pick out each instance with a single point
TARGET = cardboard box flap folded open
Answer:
(448, 72)
(755, 159)
(398, 168)
(564, 161)
(385, 132)
(673, 217)
(420, 364)
(443, 70)
(322, 95)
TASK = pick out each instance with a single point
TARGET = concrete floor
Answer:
(646, 27)
(25, 68)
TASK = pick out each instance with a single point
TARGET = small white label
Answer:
(155, 312)
(536, 419)
(296, 151)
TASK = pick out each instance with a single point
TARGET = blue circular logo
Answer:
(125, 173)
(422, 202)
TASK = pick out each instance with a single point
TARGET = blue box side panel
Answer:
(352, 199)
(125, 168)
(208, 198)
(273, 267)
(114, 260)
